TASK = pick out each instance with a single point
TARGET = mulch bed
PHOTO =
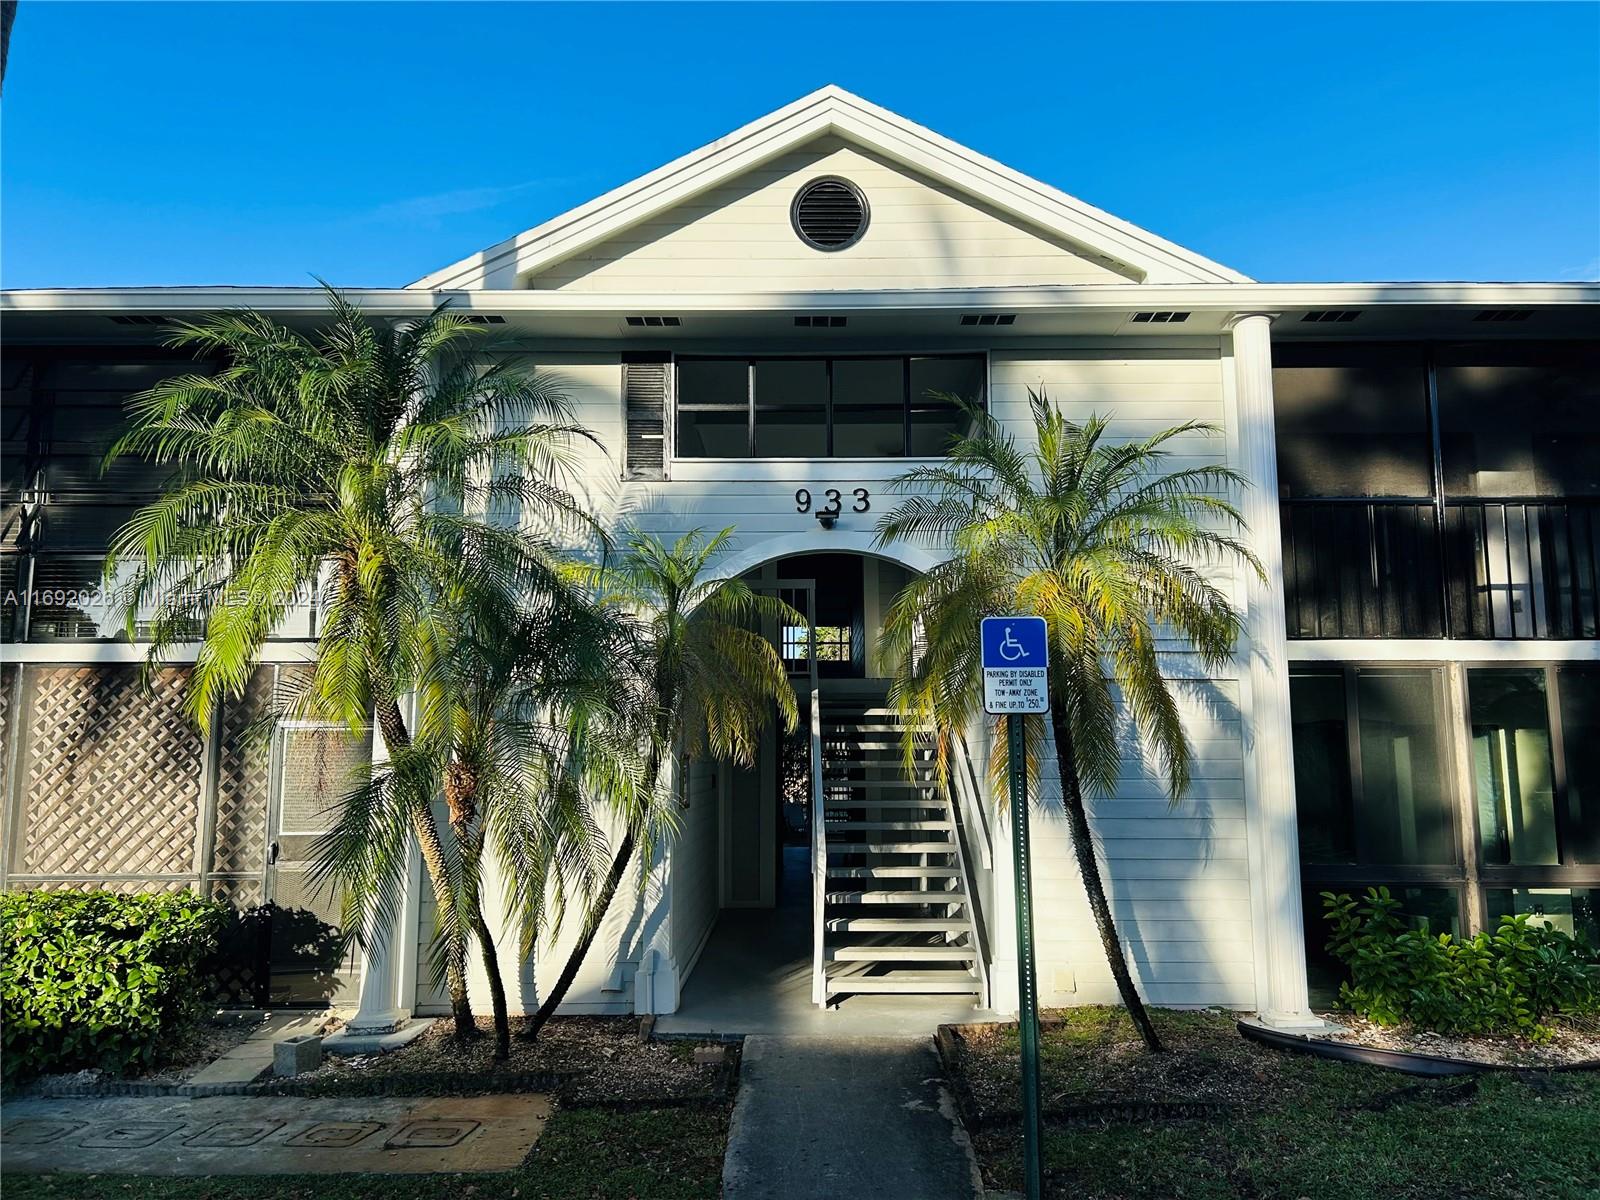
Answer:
(587, 1061)
(1095, 1068)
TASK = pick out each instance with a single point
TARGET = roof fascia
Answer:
(411, 301)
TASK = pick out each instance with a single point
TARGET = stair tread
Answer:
(943, 953)
(886, 896)
(860, 784)
(892, 825)
(890, 848)
(958, 983)
(885, 802)
(894, 872)
(897, 924)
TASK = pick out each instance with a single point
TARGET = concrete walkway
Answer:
(825, 1118)
(754, 976)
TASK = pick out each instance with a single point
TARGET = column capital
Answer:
(1239, 317)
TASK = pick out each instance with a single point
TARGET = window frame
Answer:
(1469, 877)
(907, 401)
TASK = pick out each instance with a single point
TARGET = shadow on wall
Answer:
(272, 955)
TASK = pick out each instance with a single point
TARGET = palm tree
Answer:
(494, 737)
(709, 680)
(1109, 548)
(348, 464)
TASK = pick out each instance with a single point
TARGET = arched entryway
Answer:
(742, 879)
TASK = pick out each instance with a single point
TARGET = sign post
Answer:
(1015, 683)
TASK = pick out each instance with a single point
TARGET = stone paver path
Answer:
(262, 1135)
(824, 1118)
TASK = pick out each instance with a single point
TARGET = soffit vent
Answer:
(1504, 314)
(481, 318)
(988, 318)
(1332, 316)
(1160, 318)
(139, 319)
(820, 322)
(654, 322)
(829, 214)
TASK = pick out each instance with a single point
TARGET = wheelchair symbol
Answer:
(1011, 649)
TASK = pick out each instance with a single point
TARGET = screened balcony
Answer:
(1435, 492)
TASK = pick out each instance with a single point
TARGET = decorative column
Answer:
(1281, 977)
(387, 987)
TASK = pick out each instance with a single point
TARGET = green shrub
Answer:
(96, 979)
(1507, 981)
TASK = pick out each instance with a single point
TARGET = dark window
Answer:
(1574, 911)
(858, 407)
(869, 407)
(1380, 797)
(1513, 776)
(791, 398)
(1579, 692)
(937, 384)
(713, 408)
(1322, 768)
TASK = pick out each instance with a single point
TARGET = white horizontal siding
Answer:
(738, 236)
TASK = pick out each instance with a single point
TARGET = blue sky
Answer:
(372, 143)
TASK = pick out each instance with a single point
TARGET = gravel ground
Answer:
(604, 1052)
(1572, 1042)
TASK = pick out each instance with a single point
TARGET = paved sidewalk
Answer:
(824, 1118)
(262, 1135)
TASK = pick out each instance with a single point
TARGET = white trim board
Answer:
(1113, 297)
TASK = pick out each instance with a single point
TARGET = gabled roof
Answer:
(831, 110)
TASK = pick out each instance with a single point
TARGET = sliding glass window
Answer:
(858, 407)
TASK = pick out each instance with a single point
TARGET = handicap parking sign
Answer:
(1014, 665)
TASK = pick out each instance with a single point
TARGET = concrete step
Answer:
(897, 924)
(894, 872)
(941, 953)
(954, 983)
(891, 825)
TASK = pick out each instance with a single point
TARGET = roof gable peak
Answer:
(829, 109)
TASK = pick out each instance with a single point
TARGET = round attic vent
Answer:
(829, 214)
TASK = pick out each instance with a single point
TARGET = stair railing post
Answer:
(1027, 976)
(819, 856)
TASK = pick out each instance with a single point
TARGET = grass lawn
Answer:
(1282, 1125)
(584, 1154)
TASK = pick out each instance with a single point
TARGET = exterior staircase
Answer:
(894, 912)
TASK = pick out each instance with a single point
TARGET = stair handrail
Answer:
(964, 804)
(970, 793)
(819, 855)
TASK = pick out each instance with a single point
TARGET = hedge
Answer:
(1510, 980)
(97, 979)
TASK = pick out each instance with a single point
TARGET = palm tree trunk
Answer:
(391, 723)
(1089, 868)
(497, 988)
(619, 867)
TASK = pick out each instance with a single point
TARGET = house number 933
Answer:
(861, 500)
